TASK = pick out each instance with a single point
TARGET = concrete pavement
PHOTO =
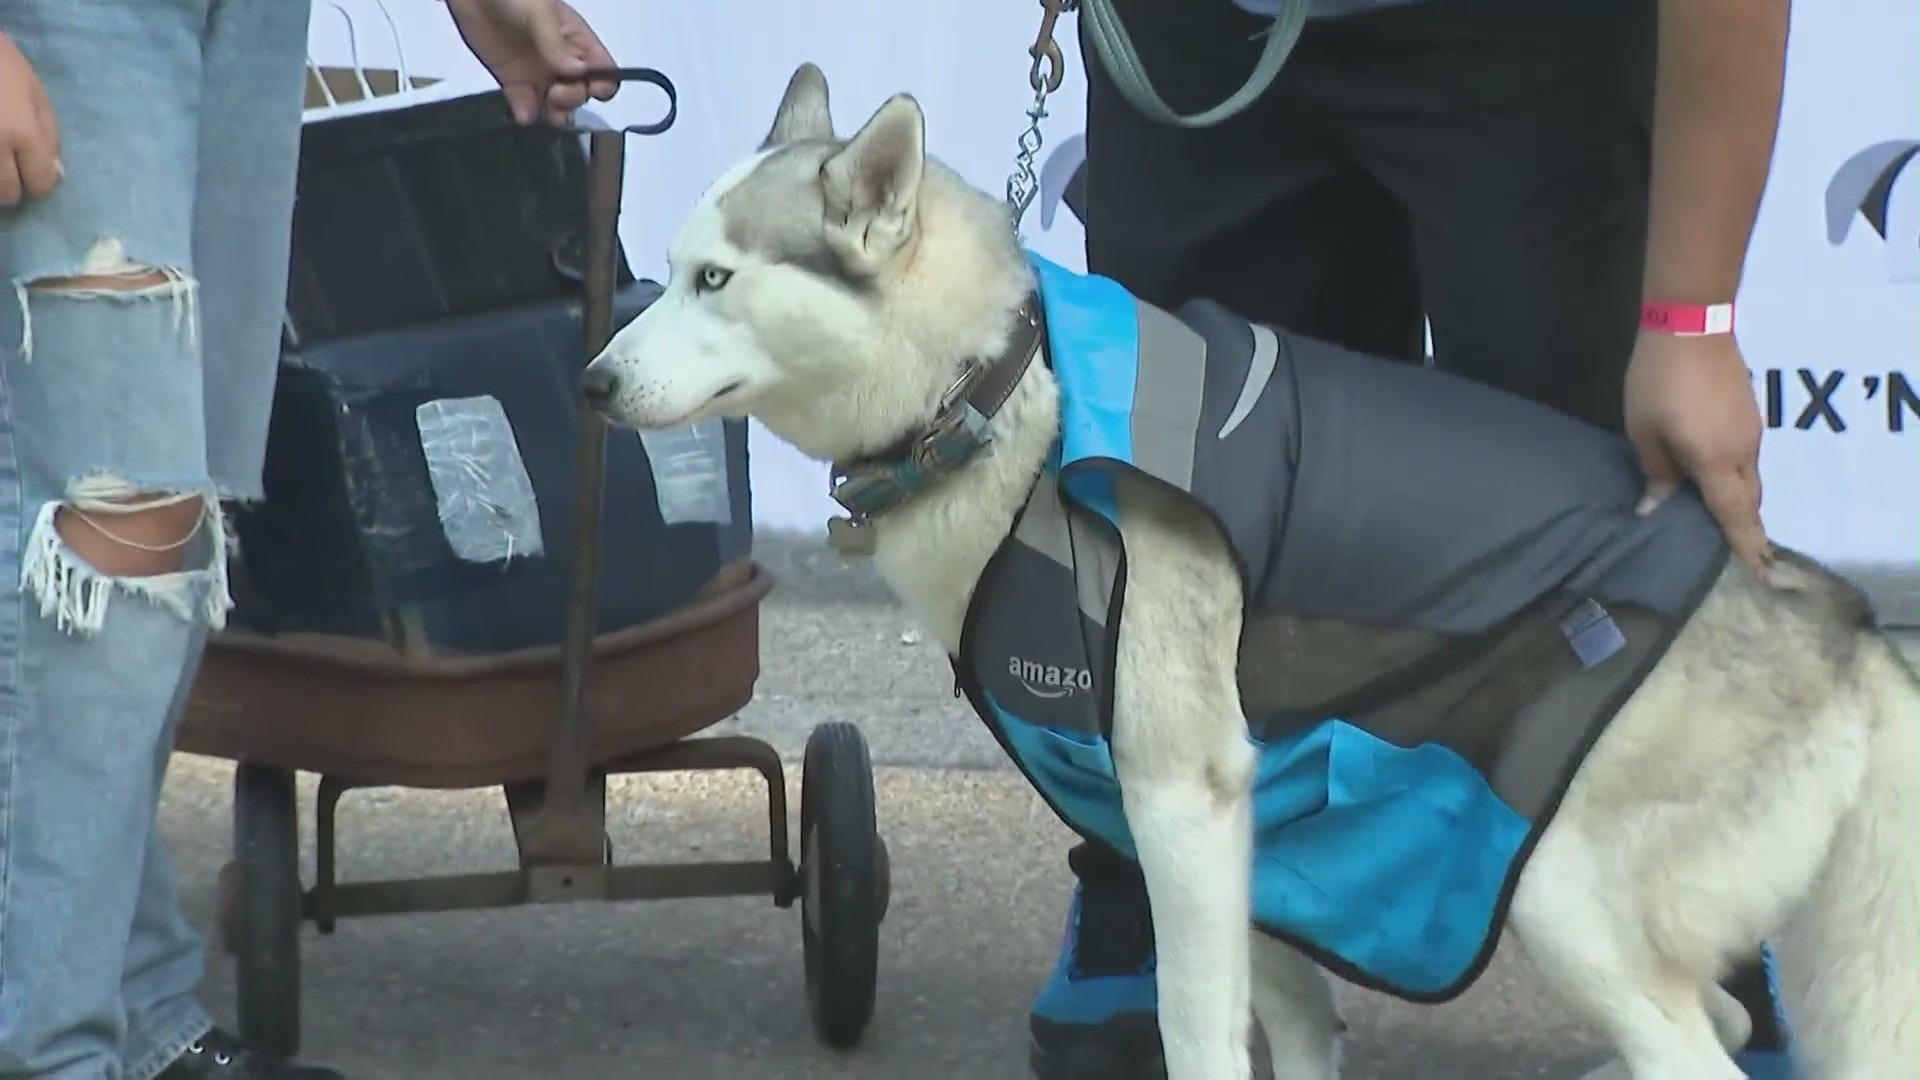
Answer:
(692, 990)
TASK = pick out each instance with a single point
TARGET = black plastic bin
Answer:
(436, 253)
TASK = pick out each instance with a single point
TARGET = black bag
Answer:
(420, 466)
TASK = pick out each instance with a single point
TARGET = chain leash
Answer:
(1049, 68)
(1107, 40)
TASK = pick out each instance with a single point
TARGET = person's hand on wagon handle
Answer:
(29, 137)
(533, 47)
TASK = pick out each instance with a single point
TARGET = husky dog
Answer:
(1758, 783)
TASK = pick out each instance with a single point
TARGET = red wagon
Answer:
(545, 725)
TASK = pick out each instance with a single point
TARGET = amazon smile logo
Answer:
(1049, 680)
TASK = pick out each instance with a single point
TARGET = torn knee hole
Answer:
(133, 281)
(137, 536)
(107, 274)
(108, 269)
(169, 548)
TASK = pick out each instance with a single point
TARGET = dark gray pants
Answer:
(1482, 164)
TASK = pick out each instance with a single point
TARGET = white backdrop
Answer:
(1830, 315)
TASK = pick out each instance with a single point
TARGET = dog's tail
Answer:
(1850, 959)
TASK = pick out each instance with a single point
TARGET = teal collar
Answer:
(872, 485)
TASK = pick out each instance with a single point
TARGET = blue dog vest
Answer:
(1448, 595)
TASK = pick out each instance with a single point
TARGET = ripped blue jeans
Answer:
(140, 314)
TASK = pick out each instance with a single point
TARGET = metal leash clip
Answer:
(1108, 40)
(1045, 76)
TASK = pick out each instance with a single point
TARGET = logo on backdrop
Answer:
(1881, 186)
(1837, 401)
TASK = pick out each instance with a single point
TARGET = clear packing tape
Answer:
(481, 489)
(690, 473)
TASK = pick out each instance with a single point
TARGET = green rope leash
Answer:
(1115, 49)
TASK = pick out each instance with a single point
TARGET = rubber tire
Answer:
(842, 871)
(269, 910)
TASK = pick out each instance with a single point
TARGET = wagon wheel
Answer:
(264, 908)
(843, 872)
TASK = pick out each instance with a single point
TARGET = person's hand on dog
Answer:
(1691, 414)
(532, 47)
(29, 138)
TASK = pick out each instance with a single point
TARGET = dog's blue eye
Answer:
(712, 278)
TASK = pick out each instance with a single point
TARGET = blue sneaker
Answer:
(1758, 987)
(1765, 1064)
(1095, 1018)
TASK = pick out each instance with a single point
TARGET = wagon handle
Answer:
(565, 829)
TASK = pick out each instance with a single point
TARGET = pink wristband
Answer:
(1686, 320)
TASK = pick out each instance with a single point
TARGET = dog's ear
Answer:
(871, 187)
(803, 114)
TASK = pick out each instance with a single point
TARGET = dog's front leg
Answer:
(1186, 769)
(1193, 843)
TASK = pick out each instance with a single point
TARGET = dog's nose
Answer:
(597, 385)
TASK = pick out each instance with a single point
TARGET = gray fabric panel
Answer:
(1048, 528)
(1657, 560)
(1173, 371)
(1440, 503)
(1096, 559)
(1041, 527)
(1244, 478)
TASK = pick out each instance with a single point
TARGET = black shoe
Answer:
(219, 1056)
(1096, 1019)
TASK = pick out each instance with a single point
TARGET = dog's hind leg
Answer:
(1296, 1007)
(1850, 955)
(1731, 1024)
(1185, 766)
(1730, 1021)
(1600, 961)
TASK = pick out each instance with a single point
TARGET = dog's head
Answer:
(793, 291)
(802, 290)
